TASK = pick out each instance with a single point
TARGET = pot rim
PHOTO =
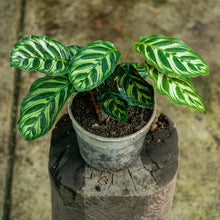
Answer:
(109, 139)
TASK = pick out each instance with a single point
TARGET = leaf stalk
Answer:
(96, 105)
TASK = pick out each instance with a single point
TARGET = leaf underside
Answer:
(113, 104)
(133, 88)
(92, 65)
(171, 56)
(179, 91)
(42, 54)
(41, 106)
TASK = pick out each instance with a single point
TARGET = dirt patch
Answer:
(159, 124)
(84, 113)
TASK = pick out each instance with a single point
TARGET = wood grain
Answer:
(144, 191)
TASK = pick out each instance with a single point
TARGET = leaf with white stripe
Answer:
(179, 91)
(73, 50)
(41, 106)
(141, 68)
(113, 104)
(92, 65)
(133, 88)
(42, 54)
(171, 56)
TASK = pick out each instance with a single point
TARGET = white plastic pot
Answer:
(109, 154)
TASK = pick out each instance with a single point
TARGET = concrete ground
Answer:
(196, 22)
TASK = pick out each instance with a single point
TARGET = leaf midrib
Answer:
(98, 63)
(57, 59)
(50, 102)
(182, 60)
(167, 93)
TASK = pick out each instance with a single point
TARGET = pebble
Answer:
(95, 126)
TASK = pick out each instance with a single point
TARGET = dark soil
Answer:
(85, 114)
(159, 124)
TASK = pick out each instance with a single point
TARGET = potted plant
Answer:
(114, 88)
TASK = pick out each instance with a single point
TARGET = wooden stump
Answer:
(144, 191)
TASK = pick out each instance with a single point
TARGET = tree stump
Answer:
(143, 191)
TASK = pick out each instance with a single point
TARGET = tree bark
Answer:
(144, 191)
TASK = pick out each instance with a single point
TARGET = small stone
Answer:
(113, 133)
(95, 126)
(158, 140)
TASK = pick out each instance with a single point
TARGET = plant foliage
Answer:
(41, 106)
(92, 65)
(113, 104)
(170, 56)
(179, 91)
(42, 54)
(133, 88)
(141, 68)
(168, 62)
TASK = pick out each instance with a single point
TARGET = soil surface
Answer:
(159, 124)
(85, 114)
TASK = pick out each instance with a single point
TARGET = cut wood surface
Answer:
(143, 191)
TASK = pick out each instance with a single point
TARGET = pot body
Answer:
(109, 154)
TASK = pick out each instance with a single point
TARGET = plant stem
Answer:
(140, 65)
(97, 108)
(107, 120)
(116, 83)
(127, 55)
(112, 82)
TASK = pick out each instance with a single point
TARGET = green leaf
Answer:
(171, 56)
(93, 64)
(42, 54)
(179, 91)
(133, 88)
(41, 106)
(73, 50)
(111, 80)
(141, 68)
(113, 104)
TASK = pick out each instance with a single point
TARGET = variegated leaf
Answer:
(179, 91)
(41, 106)
(93, 64)
(171, 56)
(111, 80)
(133, 88)
(113, 104)
(141, 68)
(73, 50)
(42, 54)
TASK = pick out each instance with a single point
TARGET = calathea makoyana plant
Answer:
(168, 62)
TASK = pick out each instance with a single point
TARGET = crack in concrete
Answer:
(12, 137)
